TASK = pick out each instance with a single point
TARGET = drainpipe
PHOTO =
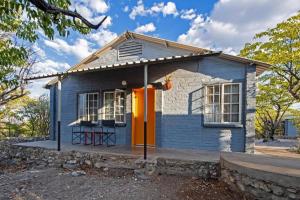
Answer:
(145, 109)
(58, 112)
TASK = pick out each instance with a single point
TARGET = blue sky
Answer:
(216, 24)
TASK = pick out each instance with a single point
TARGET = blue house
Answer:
(197, 98)
(290, 129)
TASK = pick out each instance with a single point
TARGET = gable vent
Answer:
(130, 49)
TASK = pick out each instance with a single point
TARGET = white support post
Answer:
(58, 113)
(145, 109)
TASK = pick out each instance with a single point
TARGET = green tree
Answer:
(273, 101)
(36, 116)
(20, 21)
(11, 125)
(280, 46)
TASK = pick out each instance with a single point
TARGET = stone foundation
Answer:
(256, 186)
(40, 157)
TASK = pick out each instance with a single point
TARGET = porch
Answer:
(125, 150)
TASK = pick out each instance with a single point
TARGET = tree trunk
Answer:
(272, 133)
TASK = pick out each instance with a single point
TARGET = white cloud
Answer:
(80, 48)
(126, 9)
(99, 6)
(145, 28)
(188, 14)
(232, 24)
(166, 9)
(102, 37)
(84, 11)
(89, 15)
(48, 66)
(169, 9)
(36, 87)
(38, 51)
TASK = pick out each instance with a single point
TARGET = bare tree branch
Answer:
(48, 8)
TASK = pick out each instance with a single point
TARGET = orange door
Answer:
(138, 117)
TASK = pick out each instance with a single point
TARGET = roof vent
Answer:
(130, 49)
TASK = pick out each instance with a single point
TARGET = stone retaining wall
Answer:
(39, 157)
(257, 186)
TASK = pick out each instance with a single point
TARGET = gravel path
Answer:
(59, 184)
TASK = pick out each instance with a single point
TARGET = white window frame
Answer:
(222, 103)
(87, 94)
(124, 106)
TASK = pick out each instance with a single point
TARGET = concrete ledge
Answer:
(262, 177)
(284, 171)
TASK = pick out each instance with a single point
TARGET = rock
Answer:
(72, 162)
(140, 174)
(277, 190)
(70, 166)
(78, 173)
(98, 165)
(78, 155)
(240, 186)
(292, 190)
(88, 162)
(293, 196)
(105, 169)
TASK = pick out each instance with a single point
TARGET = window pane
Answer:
(235, 88)
(216, 108)
(235, 98)
(216, 98)
(114, 105)
(227, 88)
(210, 99)
(227, 98)
(235, 108)
(210, 90)
(209, 109)
(235, 118)
(227, 108)
(217, 118)
(217, 89)
(226, 117)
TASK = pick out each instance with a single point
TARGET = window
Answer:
(88, 104)
(114, 105)
(223, 103)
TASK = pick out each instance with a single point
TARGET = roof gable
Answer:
(153, 48)
(159, 48)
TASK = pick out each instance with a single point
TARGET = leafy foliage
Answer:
(23, 18)
(273, 101)
(20, 22)
(280, 46)
(25, 116)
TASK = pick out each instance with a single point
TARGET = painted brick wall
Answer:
(250, 107)
(182, 118)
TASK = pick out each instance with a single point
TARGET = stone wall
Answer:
(34, 157)
(256, 186)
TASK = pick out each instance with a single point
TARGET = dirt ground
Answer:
(60, 184)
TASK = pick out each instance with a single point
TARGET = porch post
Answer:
(58, 112)
(145, 109)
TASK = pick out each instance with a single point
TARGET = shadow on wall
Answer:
(188, 132)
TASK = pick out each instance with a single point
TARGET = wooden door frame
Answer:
(133, 111)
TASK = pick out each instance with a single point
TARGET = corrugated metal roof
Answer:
(261, 66)
(126, 64)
